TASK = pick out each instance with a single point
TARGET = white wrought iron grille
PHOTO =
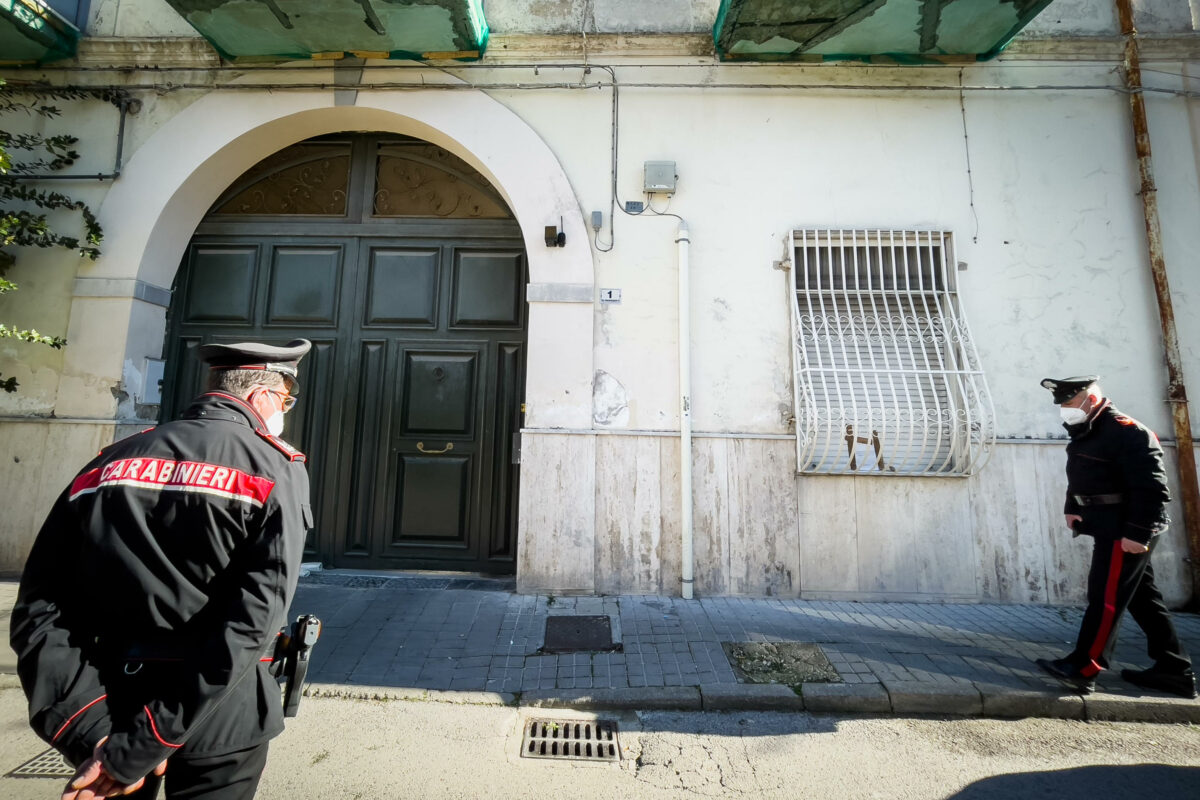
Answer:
(887, 378)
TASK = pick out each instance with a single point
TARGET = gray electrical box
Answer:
(660, 177)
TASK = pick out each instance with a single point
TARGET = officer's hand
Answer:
(1130, 546)
(1072, 519)
(92, 782)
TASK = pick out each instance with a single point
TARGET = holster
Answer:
(293, 646)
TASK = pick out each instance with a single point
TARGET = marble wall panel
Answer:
(556, 547)
(828, 534)
(1009, 531)
(710, 527)
(764, 546)
(628, 514)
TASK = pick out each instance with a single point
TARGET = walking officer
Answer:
(150, 603)
(1117, 494)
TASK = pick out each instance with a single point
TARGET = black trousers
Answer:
(1120, 582)
(231, 776)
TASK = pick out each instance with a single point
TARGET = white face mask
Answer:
(1072, 416)
(275, 423)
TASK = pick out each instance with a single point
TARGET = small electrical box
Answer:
(660, 177)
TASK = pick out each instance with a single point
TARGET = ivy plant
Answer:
(24, 205)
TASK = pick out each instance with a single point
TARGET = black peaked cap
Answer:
(1064, 389)
(254, 355)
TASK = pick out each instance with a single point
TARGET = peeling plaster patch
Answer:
(129, 391)
(606, 327)
(610, 404)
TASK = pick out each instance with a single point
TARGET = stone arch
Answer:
(175, 175)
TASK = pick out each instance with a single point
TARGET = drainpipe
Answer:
(685, 408)
(1176, 390)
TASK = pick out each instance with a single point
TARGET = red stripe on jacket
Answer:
(154, 730)
(165, 474)
(67, 724)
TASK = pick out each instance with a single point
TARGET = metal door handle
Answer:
(449, 446)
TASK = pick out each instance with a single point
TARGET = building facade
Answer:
(880, 259)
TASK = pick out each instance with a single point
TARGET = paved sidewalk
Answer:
(470, 641)
(421, 638)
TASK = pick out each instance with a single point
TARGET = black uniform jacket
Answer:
(150, 602)
(1112, 454)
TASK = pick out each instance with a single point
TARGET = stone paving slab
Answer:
(682, 698)
(750, 697)
(846, 698)
(934, 697)
(1006, 701)
(1142, 708)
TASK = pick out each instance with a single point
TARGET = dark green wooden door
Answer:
(411, 398)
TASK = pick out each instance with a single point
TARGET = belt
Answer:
(1098, 499)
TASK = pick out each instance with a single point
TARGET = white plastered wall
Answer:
(1056, 283)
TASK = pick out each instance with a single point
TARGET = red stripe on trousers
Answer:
(1110, 611)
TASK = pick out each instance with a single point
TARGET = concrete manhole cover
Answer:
(788, 663)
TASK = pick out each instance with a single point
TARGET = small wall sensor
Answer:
(555, 237)
(597, 220)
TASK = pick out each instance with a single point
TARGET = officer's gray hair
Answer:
(239, 382)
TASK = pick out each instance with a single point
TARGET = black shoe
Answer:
(1067, 674)
(1180, 683)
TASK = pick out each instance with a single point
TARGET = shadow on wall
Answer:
(1132, 780)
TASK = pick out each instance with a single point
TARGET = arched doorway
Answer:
(407, 271)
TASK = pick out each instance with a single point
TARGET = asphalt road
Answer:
(368, 749)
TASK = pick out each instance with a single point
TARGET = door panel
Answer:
(510, 371)
(402, 287)
(432, 501)
(488, 288)
(305, 283)
(363, 427)
(439, 393)
(221, 285)
(309, 424)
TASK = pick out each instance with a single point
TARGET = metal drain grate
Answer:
(575, 739)
(49, 764)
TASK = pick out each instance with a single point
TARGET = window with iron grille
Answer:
(887, 379)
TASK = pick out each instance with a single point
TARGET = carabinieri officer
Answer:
(150, 602)
(1117, 494)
